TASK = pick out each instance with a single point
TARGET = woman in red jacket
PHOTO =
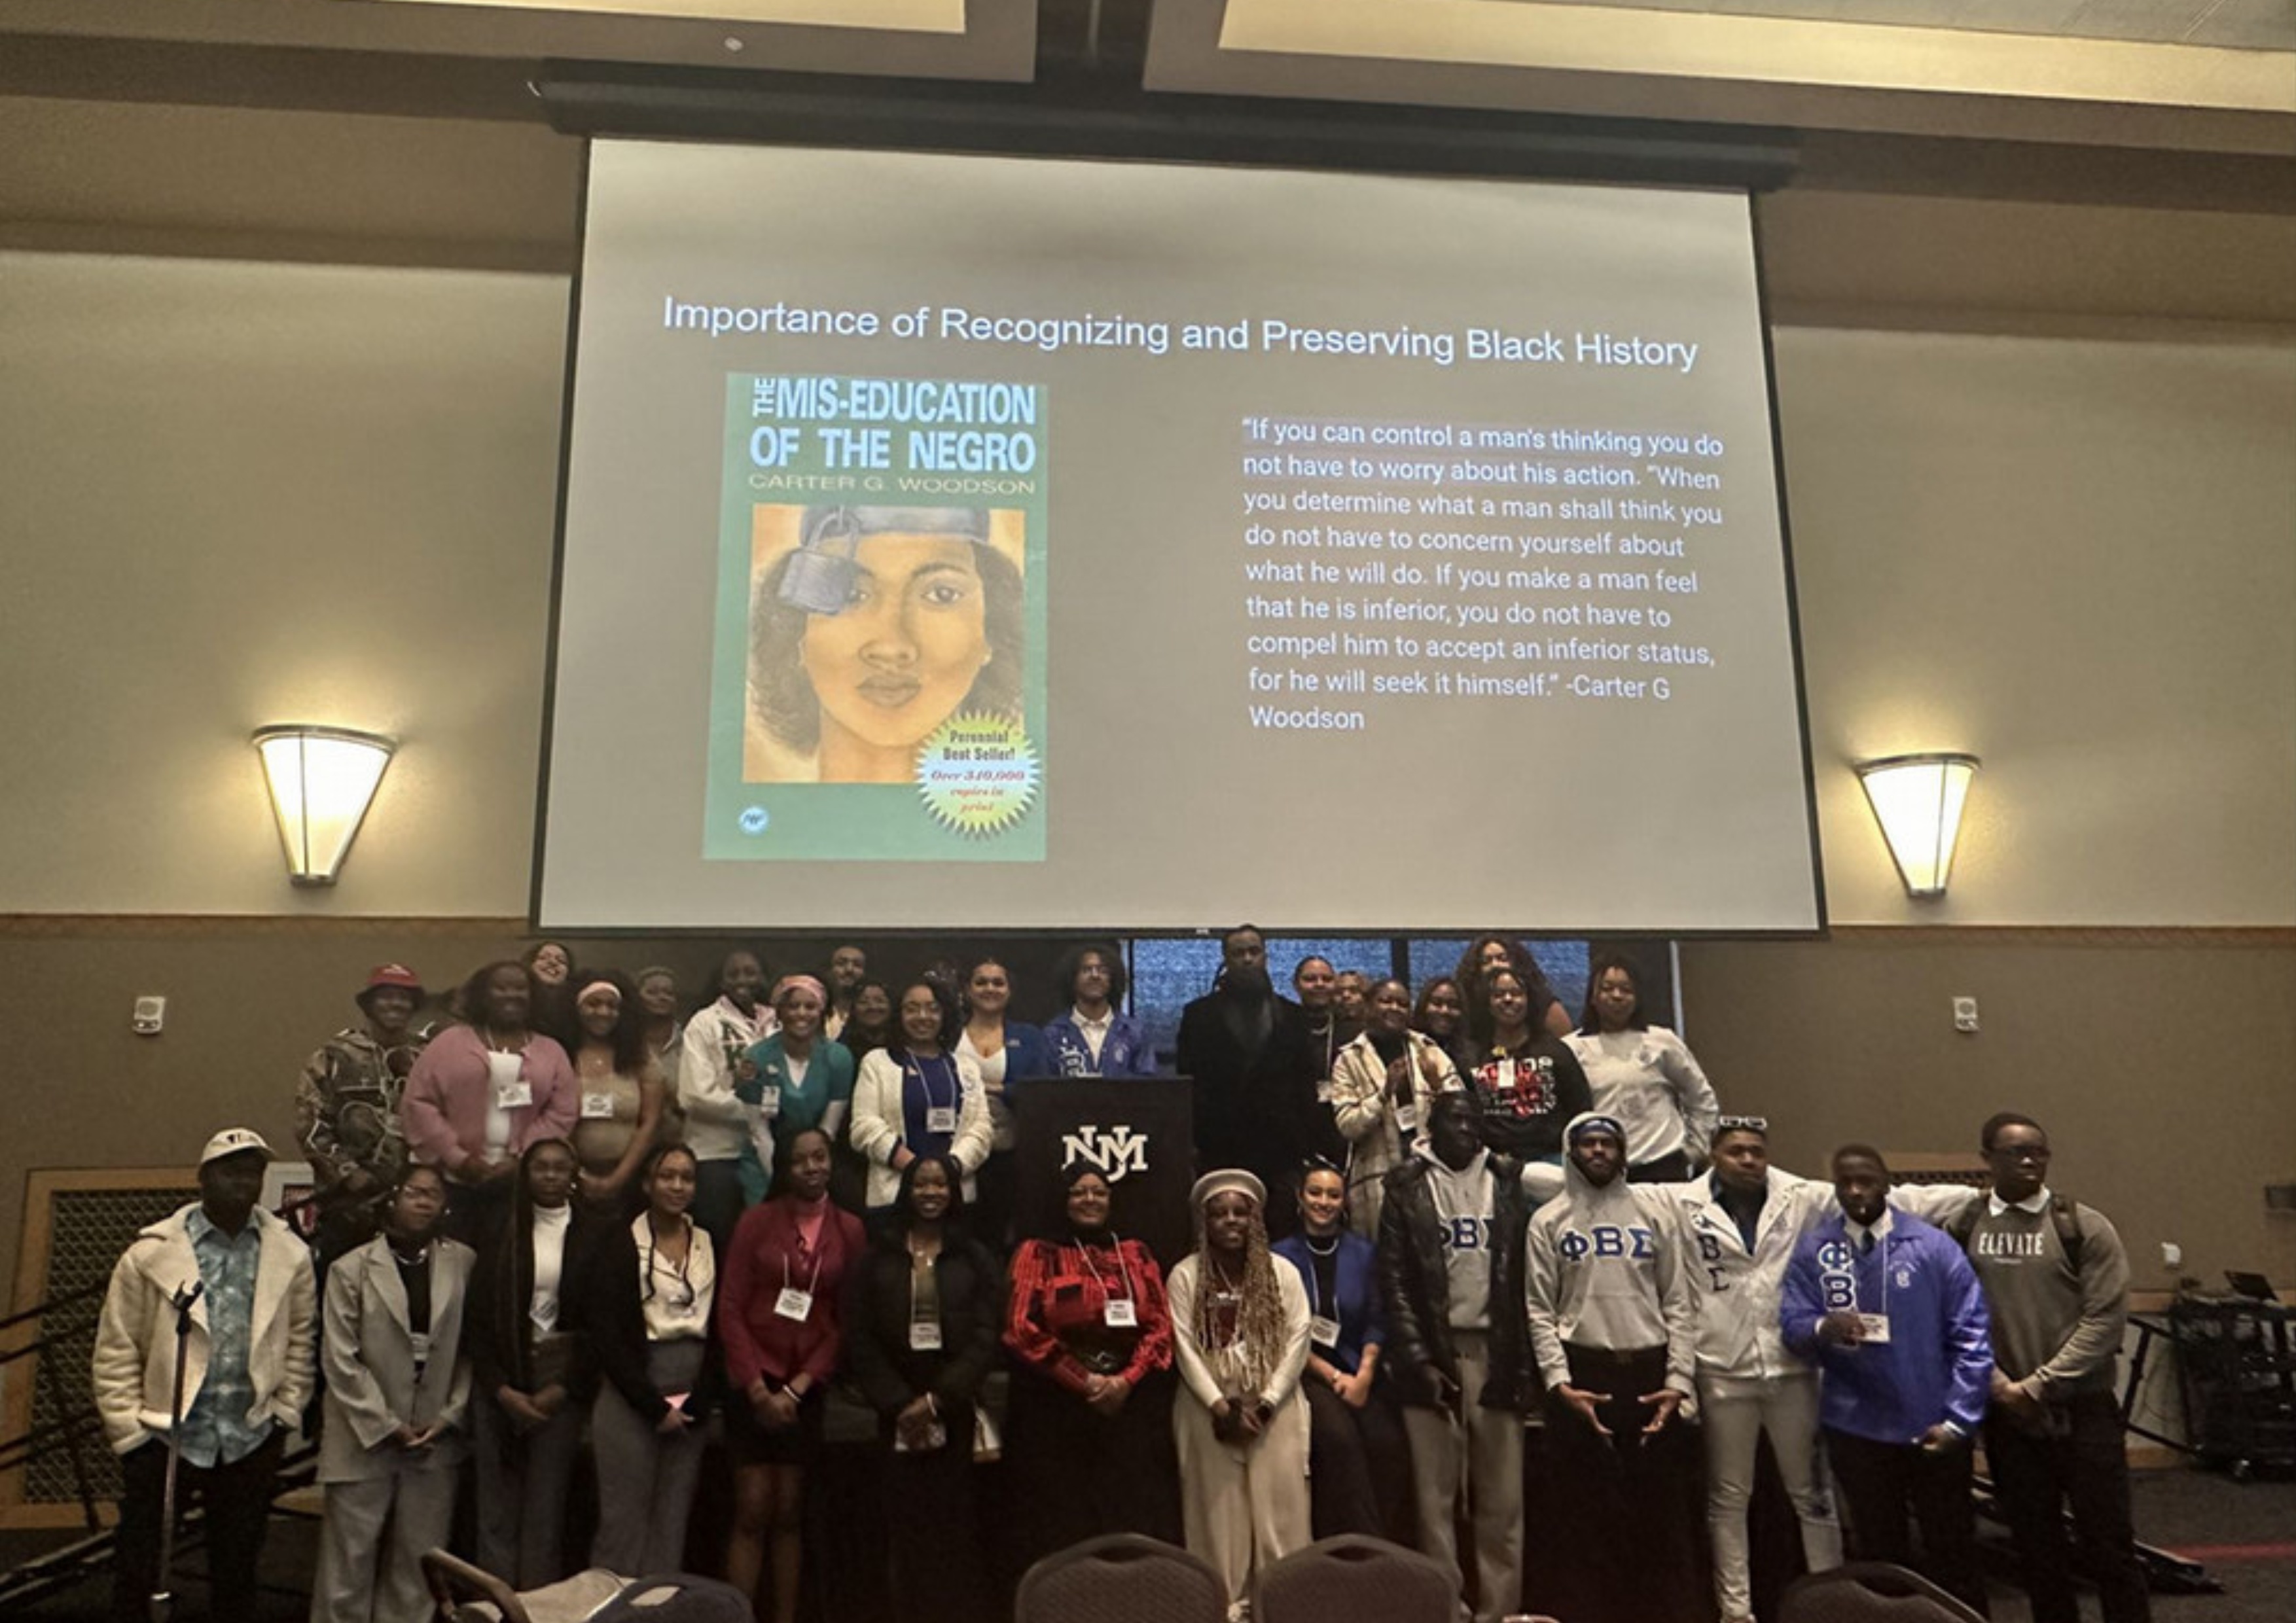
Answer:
(777, 1295)
(1091, 1337)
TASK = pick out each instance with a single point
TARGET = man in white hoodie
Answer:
(1742, 1222)
(1614, 1328)
(246, 1282)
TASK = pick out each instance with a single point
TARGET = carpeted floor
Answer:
(2244, 1533)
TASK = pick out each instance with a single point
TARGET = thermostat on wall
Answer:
(150, 1017)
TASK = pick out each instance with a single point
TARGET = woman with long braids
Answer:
(1240, 1335)
(532, 1374)
(1090, 1443)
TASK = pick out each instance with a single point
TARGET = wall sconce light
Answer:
(322, 781)
(1917, 800)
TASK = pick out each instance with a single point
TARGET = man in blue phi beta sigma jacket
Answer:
(1891, 1310)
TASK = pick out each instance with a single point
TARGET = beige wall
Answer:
(2075, 557)
(239, 494)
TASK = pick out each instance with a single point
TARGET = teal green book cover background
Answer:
(877, 679)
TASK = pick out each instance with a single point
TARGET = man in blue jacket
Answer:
(1889, 1308)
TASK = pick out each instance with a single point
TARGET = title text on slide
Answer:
(970, 428)
(1265, 334)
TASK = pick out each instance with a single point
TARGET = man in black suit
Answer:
(1239, 1046)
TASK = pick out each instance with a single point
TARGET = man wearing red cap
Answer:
(347, 1114)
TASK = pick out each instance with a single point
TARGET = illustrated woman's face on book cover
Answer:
(903, 652)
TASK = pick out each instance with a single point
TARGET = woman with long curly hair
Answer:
(1487, 953)
(1240, 1336)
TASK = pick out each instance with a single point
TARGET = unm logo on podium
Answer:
(1111, 1152)
(1137, 1133)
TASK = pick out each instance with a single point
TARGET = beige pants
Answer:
(1474, 1465)
(1242, 1507)
(371, 1543)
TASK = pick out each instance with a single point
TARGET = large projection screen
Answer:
(984, 543)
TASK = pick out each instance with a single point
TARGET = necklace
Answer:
(1332, 1250)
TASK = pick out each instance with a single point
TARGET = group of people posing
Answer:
(1437, 1233)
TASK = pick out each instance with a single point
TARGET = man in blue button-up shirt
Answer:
(247, 1373)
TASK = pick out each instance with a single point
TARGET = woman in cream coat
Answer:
(398, 1386)
(1382, 1085)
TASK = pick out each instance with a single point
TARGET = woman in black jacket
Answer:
(531, 1373)
(644, 1309)
(921, 1317)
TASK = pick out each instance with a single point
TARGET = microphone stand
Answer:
(162, 1604)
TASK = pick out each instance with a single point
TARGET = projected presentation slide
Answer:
(971, 543)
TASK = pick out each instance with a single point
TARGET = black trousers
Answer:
(1625, 1517)
(1359, 1465)
(1673, 1168)
(932, 1532)
(1879, 1484)
(2080, 1461)
(1076, 1475)
(238, 1500)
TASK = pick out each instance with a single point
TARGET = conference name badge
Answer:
(1874, 1328)
(940, 1119)
(1119, 1314)
(793, 1304)
(516, 1096)
(769, 1103)
(978, 773)
(924, 1335)
(597, 1107)
(1324, 1332)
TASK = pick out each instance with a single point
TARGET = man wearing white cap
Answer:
(245, 1281)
